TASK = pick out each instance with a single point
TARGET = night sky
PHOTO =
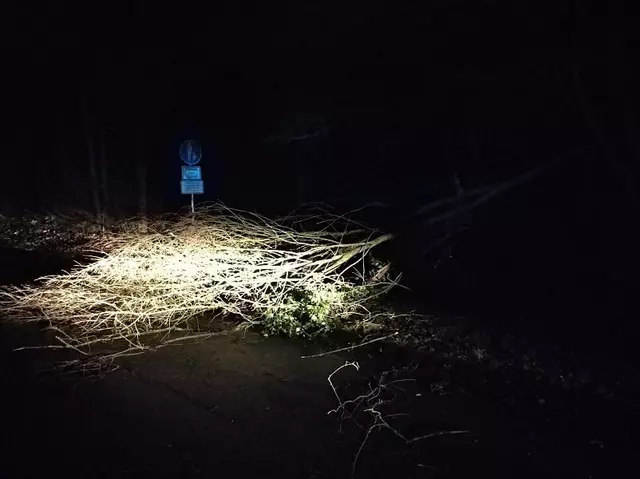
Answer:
(397, 98)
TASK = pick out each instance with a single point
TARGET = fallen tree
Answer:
(217, 262)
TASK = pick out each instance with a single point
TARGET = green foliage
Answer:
(306, 313)
(321, 308)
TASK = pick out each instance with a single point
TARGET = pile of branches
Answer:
(218, 260)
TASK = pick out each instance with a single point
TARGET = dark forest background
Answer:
(387, 104)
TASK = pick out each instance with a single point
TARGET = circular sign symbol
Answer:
(190, 152)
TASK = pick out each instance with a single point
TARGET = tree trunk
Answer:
(95, 181)
(142, 185)
(610, 150)
(104, 187)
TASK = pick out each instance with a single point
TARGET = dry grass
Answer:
(219, 260)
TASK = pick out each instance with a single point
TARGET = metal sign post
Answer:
(191, 183)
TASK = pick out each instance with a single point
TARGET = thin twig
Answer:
(350, 348)
(370, 403)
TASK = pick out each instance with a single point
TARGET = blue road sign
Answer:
(190, 152)
(191, 172)
(192, 187)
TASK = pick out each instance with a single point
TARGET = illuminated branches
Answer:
(220, 261)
